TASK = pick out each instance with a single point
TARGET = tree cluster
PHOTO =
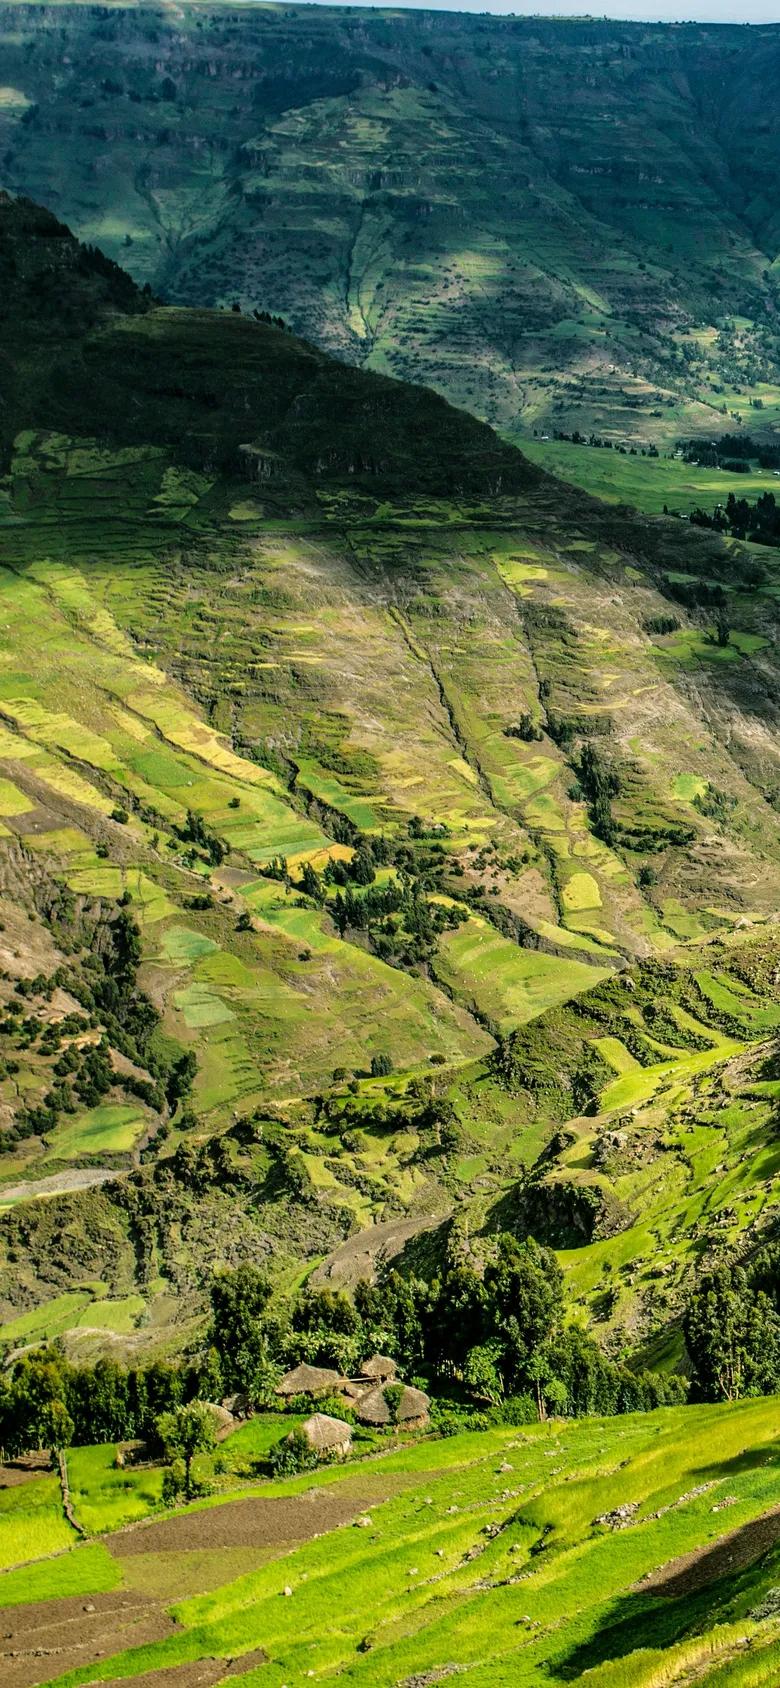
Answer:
(732, 1330)
(104, 983)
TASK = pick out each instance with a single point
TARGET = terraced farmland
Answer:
(554, 222)
(592, 1550)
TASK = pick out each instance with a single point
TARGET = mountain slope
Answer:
(567, 223)
(384, 758)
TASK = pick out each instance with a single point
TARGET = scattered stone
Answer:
(769, 1607)
(620, 1517)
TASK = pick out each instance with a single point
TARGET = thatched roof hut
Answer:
(327, 1435)
(309, 1380)
(412, 1409)
(380, 1368)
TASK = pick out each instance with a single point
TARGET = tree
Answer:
(181, 1078)
(183, 1433)
(34, 1405)
(311, 884)
(239, 1332)
(481, 1373)
(732, 1334)
(393, 1394)
(722, 629)
(524, 1295)
(292, 1454)
(361, 867)
(326, 1329)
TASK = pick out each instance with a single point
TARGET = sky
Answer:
(639, 11)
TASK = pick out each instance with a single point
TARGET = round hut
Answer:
(379, 1369)
(309, 1380)
(329, 1437)
(411, 1409)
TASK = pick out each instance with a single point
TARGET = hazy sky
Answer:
(665, 11)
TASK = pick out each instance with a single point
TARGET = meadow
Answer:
(648, 483)
(634, 1551)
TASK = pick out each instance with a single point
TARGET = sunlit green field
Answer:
(649, 483)
(495, 1550)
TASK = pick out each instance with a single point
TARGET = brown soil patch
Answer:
(201, 1674)
(41, 1641)
(694, 1571)
(256, 1522)
(27, 1469)
(361, 1255)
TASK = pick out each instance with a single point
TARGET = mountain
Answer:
(566, 224)
(374, 806)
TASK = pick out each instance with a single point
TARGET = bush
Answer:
(292, 1455)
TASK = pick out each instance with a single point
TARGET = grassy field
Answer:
(501, 1550)
(648, 483)
(32, 1525)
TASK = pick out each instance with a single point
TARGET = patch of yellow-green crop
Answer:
(580, 892)
(111, 1128)
(509, 984)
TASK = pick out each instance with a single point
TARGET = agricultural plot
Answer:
(509, 985)
(32, 1524)
(595, 1547)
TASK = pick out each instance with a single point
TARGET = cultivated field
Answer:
(633, 1551)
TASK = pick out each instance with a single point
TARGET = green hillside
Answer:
(551, 222)
(641, 1551)
(352, 760)
(390, 984)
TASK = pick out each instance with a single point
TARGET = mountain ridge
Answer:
(618, 274)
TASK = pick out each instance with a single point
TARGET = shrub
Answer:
(292, 1455)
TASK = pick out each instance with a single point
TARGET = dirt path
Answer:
(44, 1640)
(694, 1571)
(58, 1183)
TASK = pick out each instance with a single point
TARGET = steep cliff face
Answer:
(568, 224)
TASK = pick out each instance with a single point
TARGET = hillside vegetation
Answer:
(324, 769)
(549, 221)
